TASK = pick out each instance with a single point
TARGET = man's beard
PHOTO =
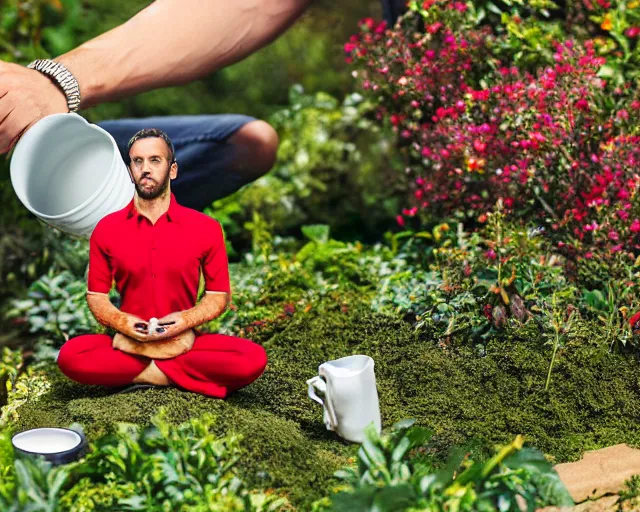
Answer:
(154, 192)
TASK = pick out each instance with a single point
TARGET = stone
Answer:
(600, 472)
(604, 504)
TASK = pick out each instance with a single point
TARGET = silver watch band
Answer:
(63, 77)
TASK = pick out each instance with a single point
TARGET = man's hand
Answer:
(173, 324)
(156, 349)
(26, 96)
(133, 327)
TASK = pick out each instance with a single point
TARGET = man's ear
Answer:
(173, 172)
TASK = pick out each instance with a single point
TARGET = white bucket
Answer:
(69, 173)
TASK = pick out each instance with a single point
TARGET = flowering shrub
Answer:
(618, 25)
(547, 145)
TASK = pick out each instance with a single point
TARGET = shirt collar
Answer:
(173, 213)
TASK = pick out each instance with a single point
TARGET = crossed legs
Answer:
(216, 365)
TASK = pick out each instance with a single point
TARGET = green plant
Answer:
(629, 496)
(32, 484)
(395, 472)
(10, 364)
(558, 321)
(56, 306)
(333, 167)
(161, 467)
(609, 311)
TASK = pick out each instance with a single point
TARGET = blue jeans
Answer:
(202, 151)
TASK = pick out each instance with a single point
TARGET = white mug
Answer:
(350, 396)
(69, 173)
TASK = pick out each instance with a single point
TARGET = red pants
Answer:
(215, 365)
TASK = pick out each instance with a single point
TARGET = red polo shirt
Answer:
(157, 267)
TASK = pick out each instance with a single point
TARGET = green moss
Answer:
(593, 400)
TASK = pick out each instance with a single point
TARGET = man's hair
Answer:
(152, 132)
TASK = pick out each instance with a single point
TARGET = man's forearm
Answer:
(104, 311)
(211, 306)
(173, 42)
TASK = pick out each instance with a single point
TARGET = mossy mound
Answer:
(593, 400)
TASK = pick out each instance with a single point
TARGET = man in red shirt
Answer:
(155, 249)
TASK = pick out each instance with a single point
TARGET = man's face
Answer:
(150, 167)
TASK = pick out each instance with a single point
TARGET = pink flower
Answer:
(635, 226)
(381, 27)
(400, 220)
(582, 104)
(632, 32)
(349, 47)
(613, 235)
(491, 254)
(479, 146)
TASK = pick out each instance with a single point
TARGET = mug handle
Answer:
(322, 386)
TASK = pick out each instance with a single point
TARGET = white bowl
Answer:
(59, 445)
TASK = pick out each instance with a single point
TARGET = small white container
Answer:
(70, 173)
(57, 445)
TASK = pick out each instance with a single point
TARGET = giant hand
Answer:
(26, 96)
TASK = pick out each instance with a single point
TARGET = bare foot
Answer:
(152, 375)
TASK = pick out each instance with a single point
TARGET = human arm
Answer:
(110, 316)
(170, 42)
(211, 306)
(99, 283)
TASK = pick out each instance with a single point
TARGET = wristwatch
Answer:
(63, 78)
